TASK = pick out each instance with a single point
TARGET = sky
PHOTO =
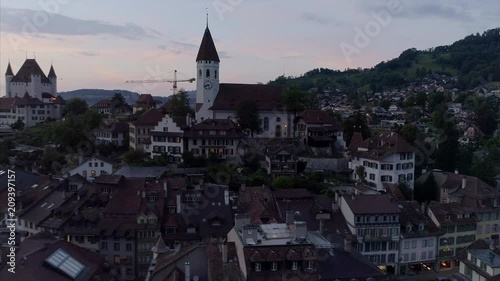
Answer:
(101, 44)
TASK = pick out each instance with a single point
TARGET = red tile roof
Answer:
(230, 96)
(145, 100)
(383, 145)
(207, 51)
(372, 204)
(150, 118)
(317, 117)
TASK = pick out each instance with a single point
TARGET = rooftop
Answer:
(372, 204)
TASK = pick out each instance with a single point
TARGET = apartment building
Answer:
(385, 158)
(281, 161)
(218, 137)
(115, 134)
(458, 225)
(375, 220)
(168, 138)
(139, 130)
(480, 261)
(419, 239)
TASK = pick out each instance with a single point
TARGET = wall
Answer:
(327, 164)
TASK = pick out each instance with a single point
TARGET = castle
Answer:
(31, 96)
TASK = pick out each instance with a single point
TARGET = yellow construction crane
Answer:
(173, 81)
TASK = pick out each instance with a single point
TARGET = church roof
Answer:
(9, 70)
(207, 50)
(30, 67)
(52, 73)
(267, 97)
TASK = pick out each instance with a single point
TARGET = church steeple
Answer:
(9, 71)
(207, 51)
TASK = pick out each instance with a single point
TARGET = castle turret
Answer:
(53, 80)
(8, 77)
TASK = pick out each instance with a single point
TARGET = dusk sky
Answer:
(100, 44)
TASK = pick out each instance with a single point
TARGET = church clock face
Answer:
(207, 85)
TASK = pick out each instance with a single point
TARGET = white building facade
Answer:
(92, 168)
(167, 137)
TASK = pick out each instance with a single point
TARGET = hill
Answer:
(92, 96)
(474, 60)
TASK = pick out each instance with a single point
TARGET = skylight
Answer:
(62, 261)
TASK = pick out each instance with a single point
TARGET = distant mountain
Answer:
(474, 60)
(92, 96)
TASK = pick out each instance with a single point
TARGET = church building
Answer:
(215, 100)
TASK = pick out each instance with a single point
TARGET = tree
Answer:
(92, 119)
(385, 104)
(18, 125)
(283, 183)
(117, 103)
(446, 154)
(179, 105)
(356, 123)
(410, 133)
(486, 120)
(406, 191)
(427, 191)
(75, 106)
(484, 168)
(421, 99)
(248, 117)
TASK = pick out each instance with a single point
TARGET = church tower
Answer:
(207, 73)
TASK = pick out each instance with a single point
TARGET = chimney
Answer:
(290, 217)
(241, 220)
(300, 230)
(179, 204)
(143, 194)
(423, 208)
(348, 243)
(226, 197)
(249, 234)
(165, 187)
(64, 193)
(187, 271)
(138, 192)
(353, 196)
(321, 226)
(464, 182)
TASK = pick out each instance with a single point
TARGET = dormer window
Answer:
(408, 228)
(421, 227)
(152, 198)
(459, 216)
(447, 217)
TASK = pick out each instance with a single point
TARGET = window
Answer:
(424, 255)
(407, 244)
(128, 247)
(372, 176)
(409, 177)
(266, 124)
(386, 178)
(104, 245)
(116, 247)
(294, 265)
(117, 260)
(274, 266)
(199, 73)
(96, 164)
(309, 265)
(102, 164)
(215, 74)
(405, 257)
(208, 73)
(92, 173)
(90, 164)
(413, 256)
(258, 267)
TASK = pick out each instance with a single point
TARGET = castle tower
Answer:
(8, 77)
(207, 73)
(53, 80)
